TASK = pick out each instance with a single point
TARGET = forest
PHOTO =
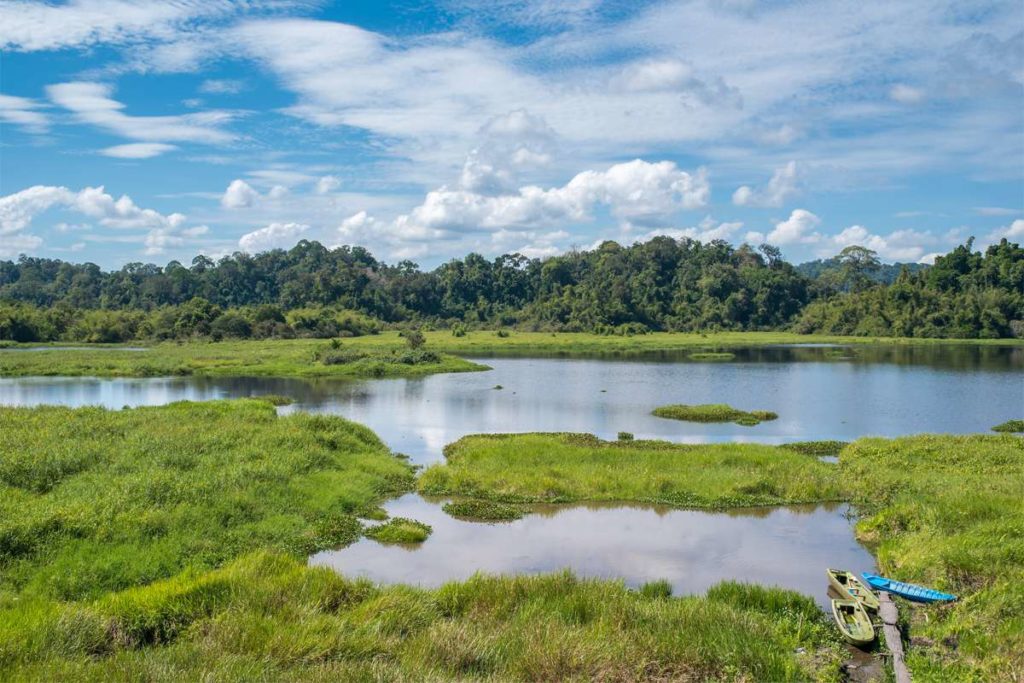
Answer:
(660, 285)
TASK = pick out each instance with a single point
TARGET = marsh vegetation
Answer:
(483, 510)
(399, 530)
(714, 412)
(1010, 426)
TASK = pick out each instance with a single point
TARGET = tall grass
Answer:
(578, 467)
(268, 617)
(93, 500)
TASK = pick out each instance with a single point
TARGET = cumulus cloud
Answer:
(900, 245)
(637, 192)
(798, 228)
(239, 194)
(274, 236)
(782, 186)
(707, 230)
(137, 150)
(92, 103)
(23, 112)
(12, 245)
(18, 210)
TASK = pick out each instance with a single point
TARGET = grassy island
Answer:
(400, 530)
(563, 468)
(714, 412)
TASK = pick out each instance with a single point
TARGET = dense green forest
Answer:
(663, 284)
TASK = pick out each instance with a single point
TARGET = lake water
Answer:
(819, 392)
(692, 549)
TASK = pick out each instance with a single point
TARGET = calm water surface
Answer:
(788, 546)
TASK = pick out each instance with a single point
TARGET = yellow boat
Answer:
(854, 623)
(850, 587)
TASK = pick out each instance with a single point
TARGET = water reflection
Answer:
(788, 547)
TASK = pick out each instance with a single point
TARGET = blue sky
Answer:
(154, 131)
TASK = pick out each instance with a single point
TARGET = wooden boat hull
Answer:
(910, 591)
(849, 586)
(853, 622)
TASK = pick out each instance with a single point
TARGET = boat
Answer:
(909, 591)
(853, 622)
(850, 587)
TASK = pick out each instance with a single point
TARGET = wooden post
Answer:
(887, 610)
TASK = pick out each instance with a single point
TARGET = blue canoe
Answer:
(909, 591)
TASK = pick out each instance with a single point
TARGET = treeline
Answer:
(663, 284)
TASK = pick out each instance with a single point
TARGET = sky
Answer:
(155, 131)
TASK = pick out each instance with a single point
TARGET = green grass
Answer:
(948, 512)
(816, 447)
(483, 510)
(714, 412)
(1011, 426)
(379, 356)
(269, 617)
(400, 530)
(564, 468)
(94, 500)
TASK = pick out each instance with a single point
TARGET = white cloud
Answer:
(997, 211)
(23, 112)
(27, 25)
(239, 194)
(706, 231)
(782, 186)
(214, 86)
(137, 150)
(637, 192)
(798, 228)
(327, 184)
(905, 94)
(91, 103)
(274, 236)
(1013, 231)
(19, 209)
(900, 245)
(356, 227)
(12, 245)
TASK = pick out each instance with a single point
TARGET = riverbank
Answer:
(387, 354)
(364, 357)
(170, 543)
(944, 511)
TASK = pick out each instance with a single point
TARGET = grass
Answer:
(948, 512)
(400, 530)
(482, 510)
(565, 468)
(817, 448)
(94, 500)
(714, 412)
(379, 356)
(1010, 426)
(268, 617)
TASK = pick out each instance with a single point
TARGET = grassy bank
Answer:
(386, 354)
(564, 468)
(374, 356)
(169, 544)
(948, 512)
(944, 511)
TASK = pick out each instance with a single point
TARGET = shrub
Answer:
(1011, 426)
(625, 436)
(414, 338)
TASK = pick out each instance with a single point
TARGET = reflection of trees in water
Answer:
(941, 356)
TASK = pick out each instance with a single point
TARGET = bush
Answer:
(414, 338)
(625, 436)
(458, 330)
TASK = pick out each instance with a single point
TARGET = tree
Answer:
(856, 264)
